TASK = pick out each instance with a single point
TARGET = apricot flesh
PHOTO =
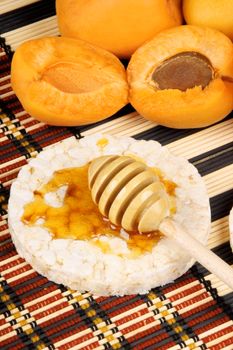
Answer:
(183, 83)
(72, 78)
(63, 81)
(119, 26)
(217, 14)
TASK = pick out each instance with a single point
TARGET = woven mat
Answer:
(195, 312)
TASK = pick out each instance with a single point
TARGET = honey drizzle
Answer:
(78, 217)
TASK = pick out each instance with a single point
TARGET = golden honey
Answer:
(103, 142)
(78, 217)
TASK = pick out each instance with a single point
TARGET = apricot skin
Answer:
(67, 82)
(217, 14)
(119, 26)
(197, 106)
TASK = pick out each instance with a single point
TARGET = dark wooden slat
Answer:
(26, 15)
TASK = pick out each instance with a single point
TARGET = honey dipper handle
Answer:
(198, 251)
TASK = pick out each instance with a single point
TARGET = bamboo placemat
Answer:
(195, 312)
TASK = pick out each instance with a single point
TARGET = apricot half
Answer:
(119, 26)
(183, 77)
(63, 81)
(217, 14)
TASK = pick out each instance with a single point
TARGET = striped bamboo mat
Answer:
(195, 312)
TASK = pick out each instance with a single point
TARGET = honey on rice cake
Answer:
(58, 229)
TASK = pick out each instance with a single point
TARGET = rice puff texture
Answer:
(82, 265)
(67, 82)
(192, 107)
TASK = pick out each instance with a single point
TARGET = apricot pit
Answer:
(183, 71)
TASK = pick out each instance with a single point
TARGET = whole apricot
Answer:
(183, 77)
(217, 14)
(119, 26)
(63, 81)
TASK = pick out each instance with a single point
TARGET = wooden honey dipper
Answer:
(132, 196)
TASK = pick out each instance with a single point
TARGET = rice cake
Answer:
(84, 266)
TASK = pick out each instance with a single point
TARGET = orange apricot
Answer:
(217, 14)
(230, 87)
(119, 26)
(182, 77)
(63, 81)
